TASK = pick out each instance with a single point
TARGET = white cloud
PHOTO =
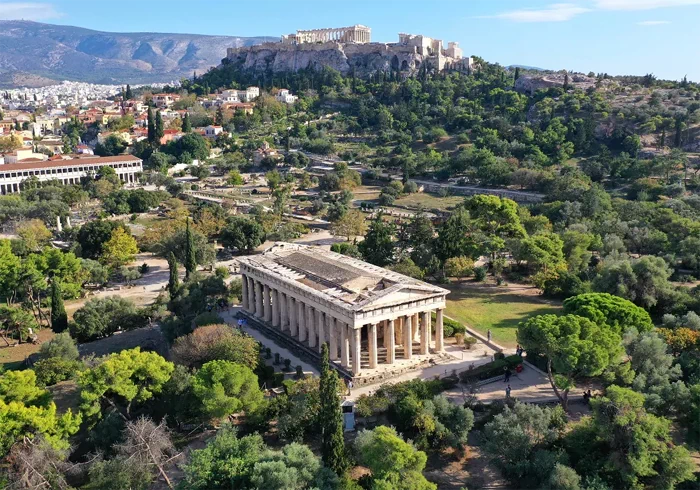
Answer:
(558, 12)
(642, 4)
(653, 23)
(28, 11)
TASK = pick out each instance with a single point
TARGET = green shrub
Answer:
(490, 370)
(208, 318)
(479, 273)
(56, 369)
(470, 342)
(499, 355)
(450, 327)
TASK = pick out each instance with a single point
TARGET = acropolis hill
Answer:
(349, 49)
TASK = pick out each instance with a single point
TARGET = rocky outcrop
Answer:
(531, 84)
(362, 59)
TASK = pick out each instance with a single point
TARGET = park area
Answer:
(485, 306)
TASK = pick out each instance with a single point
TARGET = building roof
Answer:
(350, 283)
(68, 163)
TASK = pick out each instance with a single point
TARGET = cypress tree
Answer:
(186, 124)
(159, 128)
(151, 126)
(128, 94)
(173, 279)
(190, 252)
(332, 439)
(59, 318)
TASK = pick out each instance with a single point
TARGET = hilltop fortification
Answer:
(349, 50)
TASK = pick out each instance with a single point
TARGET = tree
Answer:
(294, 468)
(120, 249)
(34, 233)
(225, 388)
(9, 267)
(122, 379)
(350, 225)
(274, 179)
(573, 345)
(626, 446)
(111, 146)
(378, 246)
(102, 317)
(34, 463)
(455, 237)
(242, 234)
(159, 128)
(173, 277)
(128, 93)
(459, 267)
(408, 268)
(616, 313)
(93, 235)
(394, 463)
(186, 124)
(226, 462)
(176, 242)
(497, 218)
(59, 318)
(61, 345)
(331, 417)
(212, 342)
(190, 252)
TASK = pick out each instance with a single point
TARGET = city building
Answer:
(213, 131)
(285, 96)
(65, 171)
(371, 318)
(354, 34)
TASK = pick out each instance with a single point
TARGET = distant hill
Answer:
(33, 53)
(525, 67)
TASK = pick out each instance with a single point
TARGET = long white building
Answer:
(66, 171)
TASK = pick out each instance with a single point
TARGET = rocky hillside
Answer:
(41, 53)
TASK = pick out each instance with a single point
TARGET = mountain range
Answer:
(34, 54)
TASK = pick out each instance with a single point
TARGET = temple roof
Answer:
(351, 283)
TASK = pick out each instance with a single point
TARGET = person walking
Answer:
(508, 392)
(488, 335)
(508, 373)
(349, 388)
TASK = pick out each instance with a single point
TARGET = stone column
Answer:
(385, 327)
(267, 310)
(425, 333)
(258, 299)
(390, 347)
(275, 299)
(356, 351)
(372, 342)
(244, 292)
(320, 327)
(398, 329)
(251, 295)
(344, 345)
(438, 330)
(407, 340)
(415, 325)
(291, 308)
(333, 337)
(301, 321)
(284, 319)
(311, 334)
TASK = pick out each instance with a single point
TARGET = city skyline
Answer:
(614, 36)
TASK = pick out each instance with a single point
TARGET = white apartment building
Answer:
(66, 171)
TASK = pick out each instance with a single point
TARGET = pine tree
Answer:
(159, 129)
(59, 318)
(219, 118)
(151, 126)
(186, 124)
(173, 279)
(331, 417)
(190, 252)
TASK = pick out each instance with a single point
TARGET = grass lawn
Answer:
(484, 306)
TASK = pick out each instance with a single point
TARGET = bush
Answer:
(490, 370)
(470, 342)
(208, 318)
(214, 342)
(479, 273)
(62, 345)
(450, 327)
(56, 369)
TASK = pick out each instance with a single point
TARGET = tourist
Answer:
(508, 392)
(349, 388)
(488, 335)
(518, 350)
(508, 373)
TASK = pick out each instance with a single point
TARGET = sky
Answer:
(620, 37)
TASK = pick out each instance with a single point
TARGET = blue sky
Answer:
(613, 36)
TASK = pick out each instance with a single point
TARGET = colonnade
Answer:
(344, 34)
(14, 187)
(299, 319)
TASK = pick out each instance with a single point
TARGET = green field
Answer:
(485, 306)
(429, 201)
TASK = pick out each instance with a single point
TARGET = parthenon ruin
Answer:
(370, 317)
(355, 34)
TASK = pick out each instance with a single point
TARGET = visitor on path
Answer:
(349, 388)
(508, 374)
(518, 350)
(488, 335)
(508, 392)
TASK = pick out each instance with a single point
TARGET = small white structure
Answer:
(213, 131)
(285, 96)
(348, 409)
